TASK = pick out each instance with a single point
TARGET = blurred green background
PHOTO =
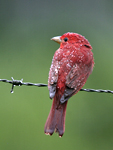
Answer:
(26, 52)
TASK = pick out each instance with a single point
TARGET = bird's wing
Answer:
(75, 81)
(53, 77)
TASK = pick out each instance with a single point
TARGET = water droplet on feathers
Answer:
(68, 65)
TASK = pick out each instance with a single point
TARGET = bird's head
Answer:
(71, 38)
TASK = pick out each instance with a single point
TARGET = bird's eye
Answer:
(65, 39)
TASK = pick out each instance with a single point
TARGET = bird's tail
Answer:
(56, 119)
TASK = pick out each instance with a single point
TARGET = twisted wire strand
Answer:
(20, 83)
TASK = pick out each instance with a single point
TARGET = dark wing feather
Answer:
(75, 81)
(53, 77)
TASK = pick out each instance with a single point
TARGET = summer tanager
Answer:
(71, 66)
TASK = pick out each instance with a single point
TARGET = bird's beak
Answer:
(56, 39)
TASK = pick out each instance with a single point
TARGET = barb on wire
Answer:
(20, 83)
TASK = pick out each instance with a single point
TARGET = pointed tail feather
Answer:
(56, 119)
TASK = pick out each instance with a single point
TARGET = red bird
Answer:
(71, 66)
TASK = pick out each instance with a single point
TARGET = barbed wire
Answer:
(20, 83)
